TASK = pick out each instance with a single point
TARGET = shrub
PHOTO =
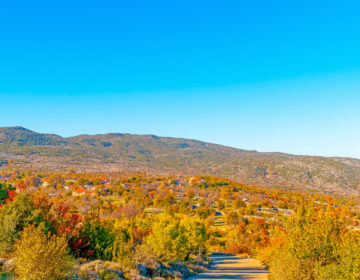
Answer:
(40, 256)
(347, 265)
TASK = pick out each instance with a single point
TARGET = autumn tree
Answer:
(190, 194)
(32, 181)
(311, 242)
(196, 235)
(347, 265)
(41, 257)
(232, 218)
(168, 239)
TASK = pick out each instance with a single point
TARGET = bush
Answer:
(347, 265)
(41, 257)
(145, 255)
(100, 269)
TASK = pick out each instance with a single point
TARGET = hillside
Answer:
(163, 155)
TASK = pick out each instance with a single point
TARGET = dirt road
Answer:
(232, 267)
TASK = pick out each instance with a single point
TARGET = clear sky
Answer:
(263, 75)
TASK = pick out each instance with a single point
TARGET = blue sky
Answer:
(264, 75)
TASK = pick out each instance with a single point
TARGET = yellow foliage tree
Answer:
(168, 239)
(41, 257)
(311, 245)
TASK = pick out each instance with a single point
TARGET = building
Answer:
(195, 180)
(79, 191)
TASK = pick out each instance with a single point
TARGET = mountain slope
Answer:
(23, 137)
(164, 155)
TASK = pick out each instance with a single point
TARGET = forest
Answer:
(69, 225)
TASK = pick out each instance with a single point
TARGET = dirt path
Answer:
(232, 267)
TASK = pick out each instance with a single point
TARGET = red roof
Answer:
(195, 179)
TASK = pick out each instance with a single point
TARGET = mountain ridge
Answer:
(119, 152)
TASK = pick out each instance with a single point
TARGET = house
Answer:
(91, 192)
(104, 180)
(79, 191)
(174, 181)
(195, 180)
(87, 187)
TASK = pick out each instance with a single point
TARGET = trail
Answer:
(231, 267)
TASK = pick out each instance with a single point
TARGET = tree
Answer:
(311, 243)
(168, 240)
(196, 235)
(124, 244)
(220, 204)
(190, 194)
(14, 217)
(204, 212)
(32, 181)
(55, 179)
(41, 257)
(5, 189)
(123, 252)
(100, 239)
(347, 265)
(232, 218)
(238, 203)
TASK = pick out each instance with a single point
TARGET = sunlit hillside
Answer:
(166, 156)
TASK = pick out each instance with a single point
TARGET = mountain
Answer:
(118, 152)
(19, 136)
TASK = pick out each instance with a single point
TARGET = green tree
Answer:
(4, 191)
(204, 212)
(196, 235)
(168, 240)
(100, 239)
(14, 217)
